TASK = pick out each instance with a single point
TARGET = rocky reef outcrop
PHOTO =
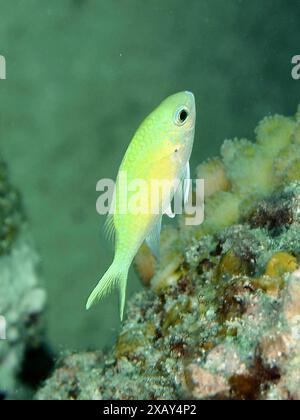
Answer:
(22, 298)
(220, 316)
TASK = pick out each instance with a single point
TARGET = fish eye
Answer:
(181, 116)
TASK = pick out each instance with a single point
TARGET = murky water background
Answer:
(82, 74)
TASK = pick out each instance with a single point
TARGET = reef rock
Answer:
(22, 298)
(220, 317)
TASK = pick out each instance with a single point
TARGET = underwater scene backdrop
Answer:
(81, 76)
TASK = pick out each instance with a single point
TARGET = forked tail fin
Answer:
(115, 277)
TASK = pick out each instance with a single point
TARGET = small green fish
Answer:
(160, 150)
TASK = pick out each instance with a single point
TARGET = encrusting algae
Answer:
(220, 316)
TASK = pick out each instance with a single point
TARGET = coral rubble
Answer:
(221, 316)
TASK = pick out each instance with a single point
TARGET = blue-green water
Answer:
(82, 74)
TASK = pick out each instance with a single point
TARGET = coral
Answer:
(249, 171)
(213, 173)
(220, 318)
(77, 375)
(282, 349)
(22, 298)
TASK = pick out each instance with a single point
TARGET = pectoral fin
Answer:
(184, 187)
(153, 239)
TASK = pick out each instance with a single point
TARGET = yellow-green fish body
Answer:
(160, 150)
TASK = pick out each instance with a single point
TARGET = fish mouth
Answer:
(187, 92)
(190, 95)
